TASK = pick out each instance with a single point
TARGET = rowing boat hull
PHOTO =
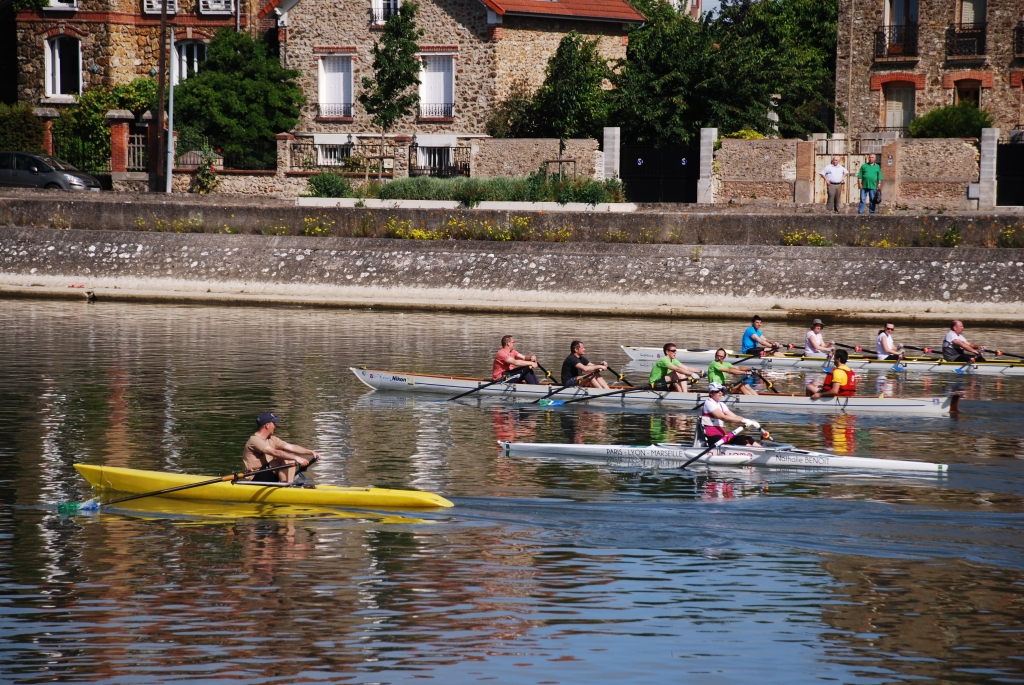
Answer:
(137, 481)
(666, 456)
(791, 362)
(683, 401)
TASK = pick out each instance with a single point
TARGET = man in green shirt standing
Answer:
(669, 374)
(869, 180)
(720, 369)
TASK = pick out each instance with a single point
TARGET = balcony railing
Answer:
(1018, 39)
(898, 40)
(380, 14)
(965, 40)
(334, 109)
(439, 162)
(436, 110)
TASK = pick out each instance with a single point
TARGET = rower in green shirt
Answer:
(669, 374)
(869, 180)
(720, 369)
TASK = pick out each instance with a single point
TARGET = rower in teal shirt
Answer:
(754, 340)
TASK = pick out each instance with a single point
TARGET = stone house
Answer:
(899, 59)
(472, 52)
(69, 46)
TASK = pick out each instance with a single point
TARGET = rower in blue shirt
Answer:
(754, 340)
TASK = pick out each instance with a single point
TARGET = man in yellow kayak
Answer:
(265, 450)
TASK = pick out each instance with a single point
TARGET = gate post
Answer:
(612, 143)
(705, 188)
(987, 168)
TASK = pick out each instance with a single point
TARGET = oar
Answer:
(855, 348)
(725, 438)
(547, 374)
(768, 383)
(606, 394)
(92, 504)
(504, 378)
(619, 376)
(1000, 353)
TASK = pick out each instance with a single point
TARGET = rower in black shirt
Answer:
(578, 371)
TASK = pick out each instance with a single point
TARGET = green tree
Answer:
(389, 95)
(241, 97)
(964, 120)
(572, 103)
(513, 116)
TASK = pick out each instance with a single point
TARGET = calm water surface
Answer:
(542, 573)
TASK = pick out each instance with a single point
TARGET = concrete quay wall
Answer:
(648, 280)
(263, 215)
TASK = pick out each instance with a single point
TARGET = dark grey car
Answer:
(24, 170)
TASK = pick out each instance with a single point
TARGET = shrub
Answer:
(954, 121)
(533, 188)
(745, 134)
(328, 184)
(20, 129)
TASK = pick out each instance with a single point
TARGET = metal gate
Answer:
(1010, 174)
(664, 174)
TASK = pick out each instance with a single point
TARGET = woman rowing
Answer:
(814, 344)
(715, 414)
(885, 347)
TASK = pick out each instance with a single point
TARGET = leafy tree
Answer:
(513, 116)
(20, 129)
(964, 120)
(241, 97)
(388, 96)
(572, 103)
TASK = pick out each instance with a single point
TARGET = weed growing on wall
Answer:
(792, 237)
(317, 225)
(274, 230)
(1010, 237)
(537, 187)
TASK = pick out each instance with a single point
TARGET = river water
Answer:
(542, 573)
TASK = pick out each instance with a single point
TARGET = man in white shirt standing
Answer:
(835, 176)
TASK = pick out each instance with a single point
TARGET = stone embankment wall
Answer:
(269, 216)
(662, 277)
(514, 157)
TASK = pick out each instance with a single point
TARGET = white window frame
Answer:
(154, 6)
(62, 5)
(213, 7)
(346, 96)
(51, 64)
(180, 73)
(447, 95)
(377, 10)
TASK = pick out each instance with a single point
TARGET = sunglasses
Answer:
(672, 350)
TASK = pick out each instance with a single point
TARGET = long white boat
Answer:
(794, 361)
(674, 455)
(654, 399)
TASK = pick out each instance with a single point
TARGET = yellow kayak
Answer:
(138, 481)
(204, 511)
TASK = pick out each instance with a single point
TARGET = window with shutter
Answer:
(335, 92)
(380, 10)
(972, 12)
(899, 106)
(437, 86)
(153, 6)
(190, 55)
(63, 66)
(216, 6)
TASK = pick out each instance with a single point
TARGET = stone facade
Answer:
(873, 57)
(512, 157)
(489, 53)
(936, 172)
(118, 41)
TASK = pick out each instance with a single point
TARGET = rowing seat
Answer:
(700, 439)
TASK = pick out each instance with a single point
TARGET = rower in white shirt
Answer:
(884, 346)
(956, 348)
(814, 344)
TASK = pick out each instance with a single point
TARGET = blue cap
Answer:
(265, 418)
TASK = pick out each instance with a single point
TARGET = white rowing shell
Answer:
(665, 456)
(679, 401)
(649, 355)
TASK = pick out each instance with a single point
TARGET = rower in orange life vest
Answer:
(839, 382)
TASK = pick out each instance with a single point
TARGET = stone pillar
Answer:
(119, 120)
(47, 114)
(890, 163)
(612, 145)
(705, 186)
(803, 189)
(284, 152)
(987, 176)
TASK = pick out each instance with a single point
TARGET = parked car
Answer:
(24, 170)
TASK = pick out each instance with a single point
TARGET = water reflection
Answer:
(542, 572)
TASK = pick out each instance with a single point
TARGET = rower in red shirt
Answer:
(509, 361)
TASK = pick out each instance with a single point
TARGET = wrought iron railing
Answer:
(364, 157)
(436, 110)
(379, 14)
(1018, 39)
(83, 155)
(965, 40)
(898, 40)
(138, 152)
(334, 109)
(439, 162)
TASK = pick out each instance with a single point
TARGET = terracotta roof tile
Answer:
(606, 10)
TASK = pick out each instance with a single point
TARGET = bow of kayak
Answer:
(138, 481)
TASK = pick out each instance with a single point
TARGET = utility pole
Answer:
(170, 121)
(161, 86)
